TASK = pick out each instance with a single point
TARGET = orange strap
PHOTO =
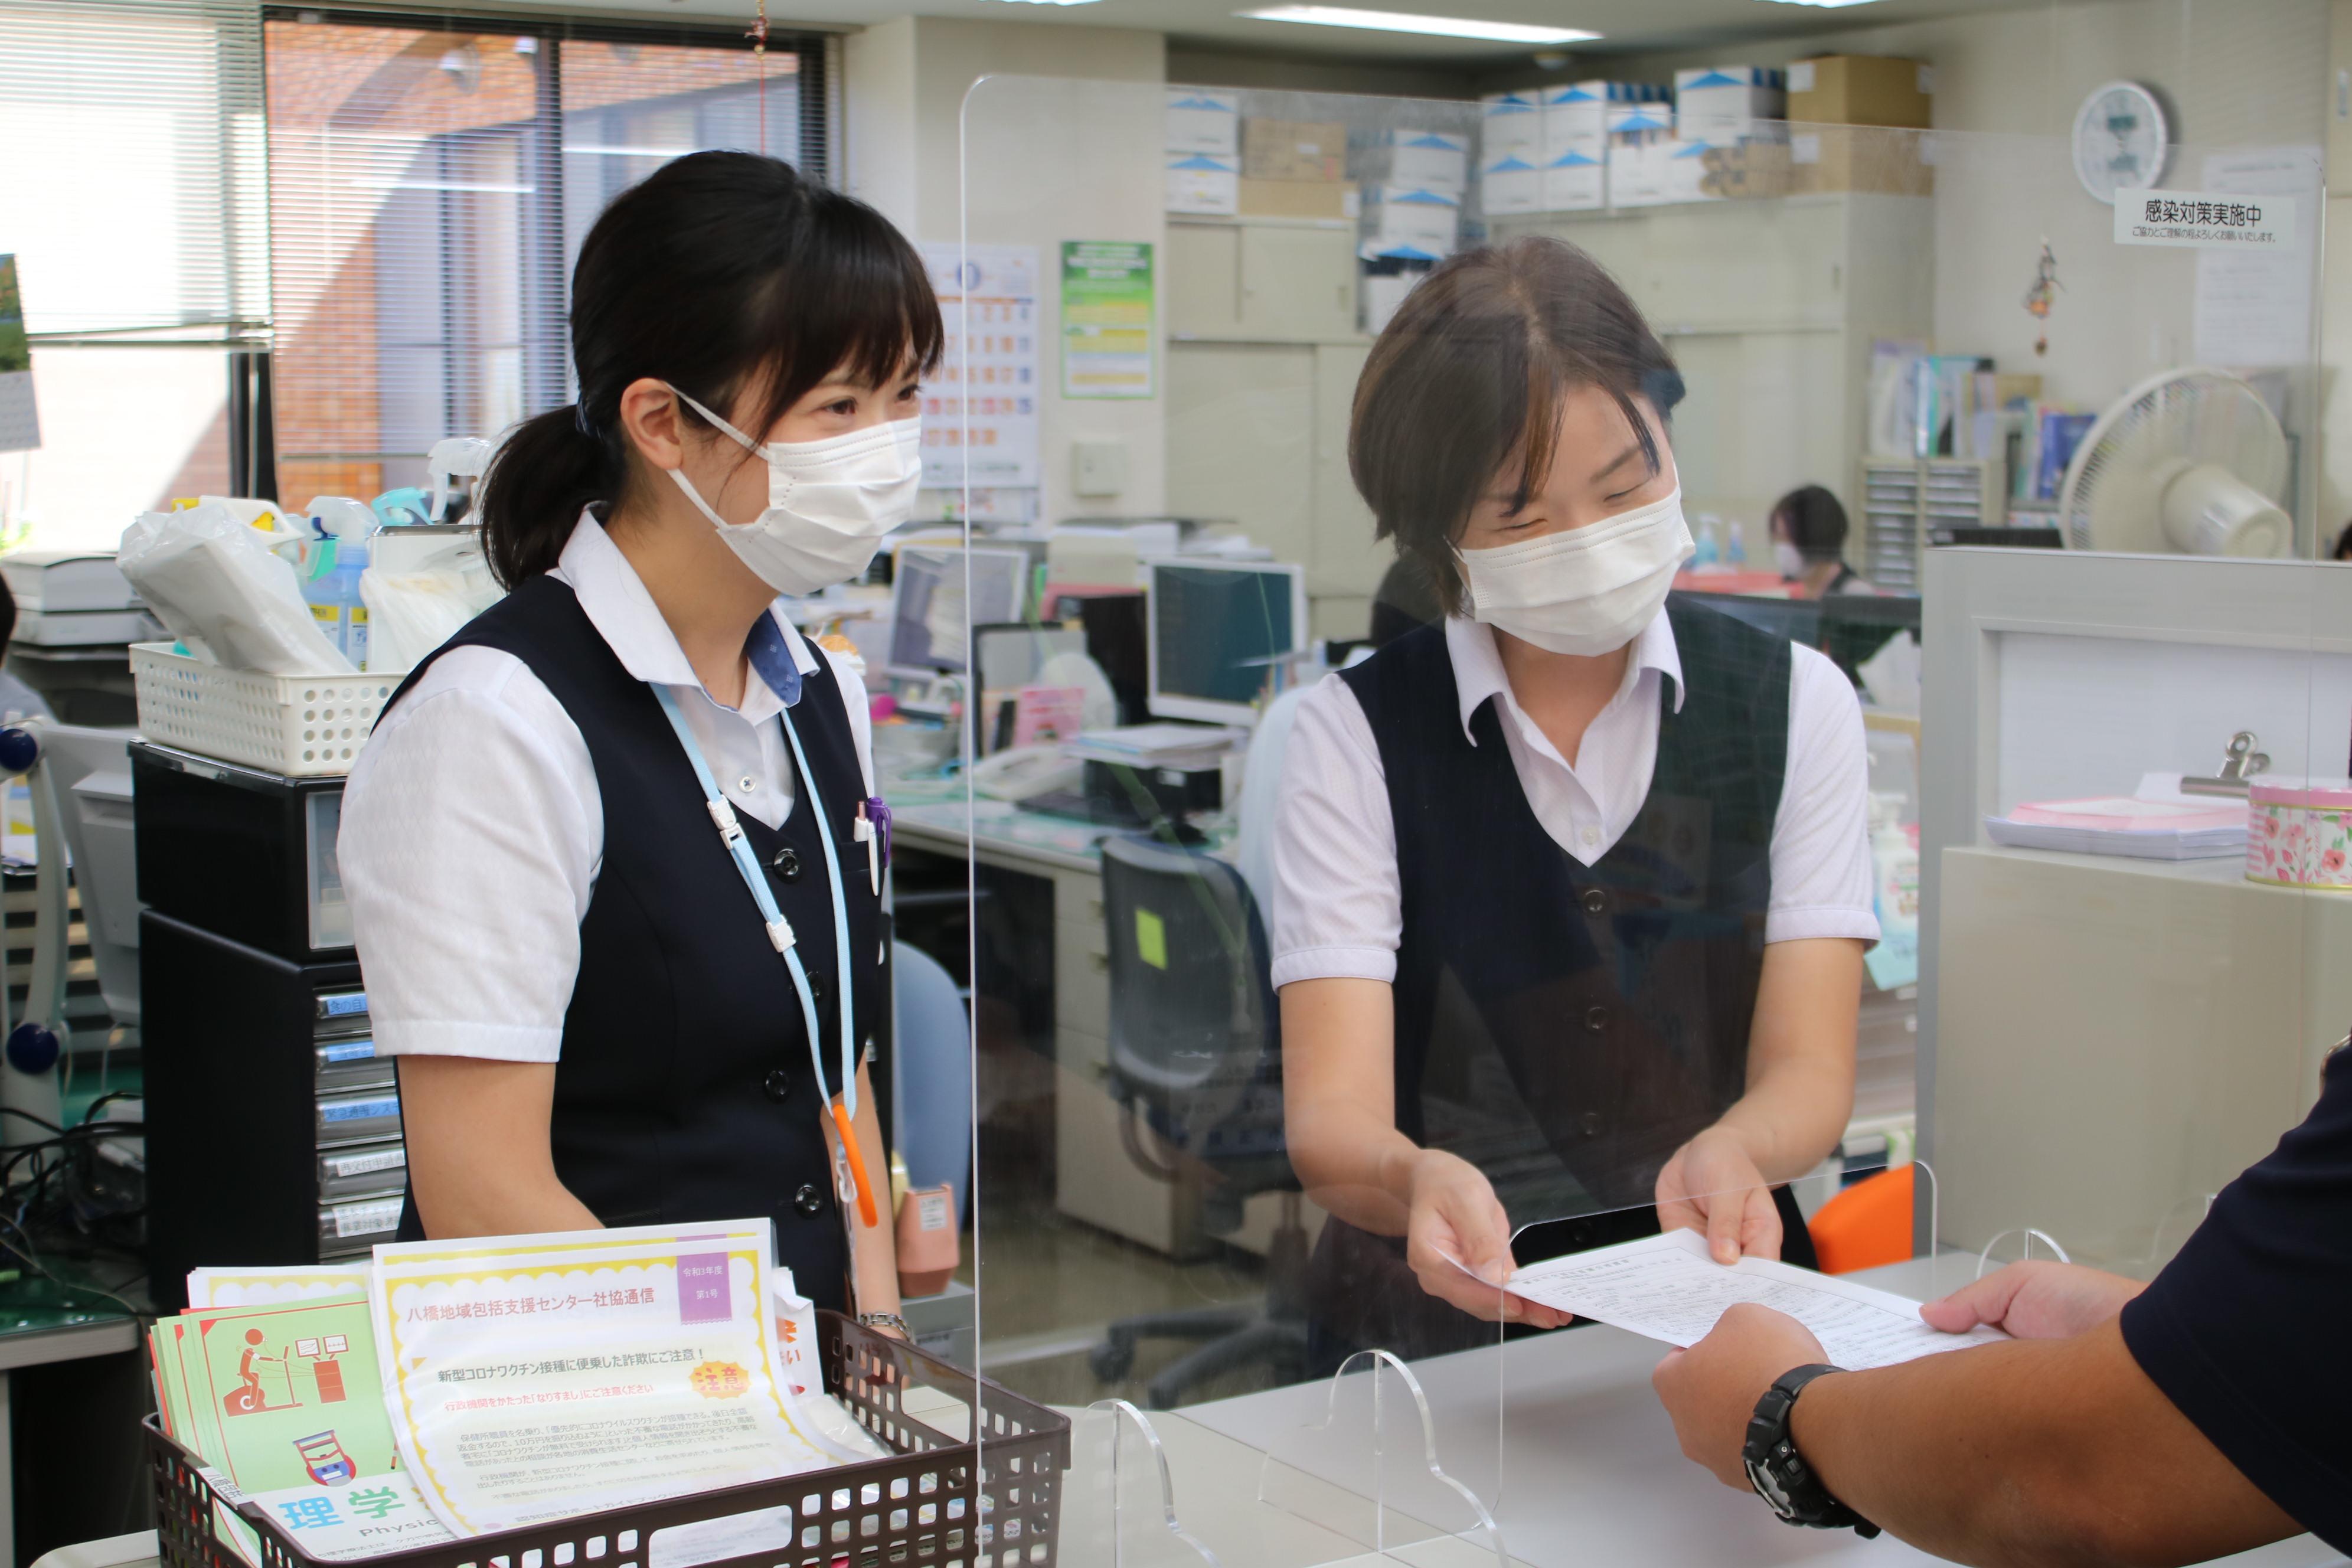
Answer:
(867, 1212)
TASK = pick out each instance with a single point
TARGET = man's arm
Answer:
(2036, 1452)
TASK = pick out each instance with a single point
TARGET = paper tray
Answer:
(936, 1502)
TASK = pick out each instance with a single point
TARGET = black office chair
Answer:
(1196, 1054)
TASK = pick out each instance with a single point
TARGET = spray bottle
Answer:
(343, 526)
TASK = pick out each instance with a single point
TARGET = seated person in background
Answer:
(2343, 544)
(17, 701)
(2198, 1415)
(1809, 545)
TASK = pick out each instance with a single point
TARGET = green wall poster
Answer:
(1107, 318)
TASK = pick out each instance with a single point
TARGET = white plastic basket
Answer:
(301, 726)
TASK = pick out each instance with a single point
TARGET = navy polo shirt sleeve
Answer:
(2243, 1329)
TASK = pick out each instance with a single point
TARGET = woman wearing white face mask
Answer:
(1572, 890)
(607, 1009)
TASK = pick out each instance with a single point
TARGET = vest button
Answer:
(1589, 1124)
(808, 1201)
(1596, 1019)
(1595, 901)
(777, 1086)
(787, 863)
(816, 987)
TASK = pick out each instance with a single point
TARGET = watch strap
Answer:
(1779, 1473)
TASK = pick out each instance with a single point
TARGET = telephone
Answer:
(1026, 771)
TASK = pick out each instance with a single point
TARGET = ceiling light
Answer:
(1824, 4)
(1436, 26)
(1055, 2)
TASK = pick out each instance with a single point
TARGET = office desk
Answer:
(38, 1327)
(1589, 1472)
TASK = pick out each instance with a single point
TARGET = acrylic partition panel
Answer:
(1297, 984)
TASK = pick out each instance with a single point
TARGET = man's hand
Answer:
(1712, 1186)
(1711, 1389)
(2034, 1300)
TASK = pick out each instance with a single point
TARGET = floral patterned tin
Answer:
(2299, 834)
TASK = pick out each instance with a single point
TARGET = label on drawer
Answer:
(364, 1162)
(374, 1218)
(347, 1051)
(344, 1004)
(335, 1111)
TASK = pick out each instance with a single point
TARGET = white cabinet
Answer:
(1289, 280)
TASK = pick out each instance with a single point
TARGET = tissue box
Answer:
(1723, 103)
(1576, 181)
(1197, 183)
(1747, 169)
(1860, 89)
(1431, 160)
(1299, 150)
(1576, 117)
(1510, 185)
(1204, 122)
(1509, 123)
(1409, 222)
(1639, 124)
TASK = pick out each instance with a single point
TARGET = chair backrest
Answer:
(1194, 1037)
(91, 772)
(933, 1077)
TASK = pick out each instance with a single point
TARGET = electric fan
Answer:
(2191, 461)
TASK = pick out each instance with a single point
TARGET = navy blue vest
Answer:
(1563, 1029)
(685, 1091)
(1566, 1029)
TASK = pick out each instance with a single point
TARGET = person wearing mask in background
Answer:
(613, 863)
(1602, 857)
(2189, 1418)
(1809, 545)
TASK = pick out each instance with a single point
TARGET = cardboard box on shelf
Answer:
(1432, 160)
(1576, 181)
(1859, 158)
(1302, 149)
(1748, 169)
(1202, 185)
(1576, 117)
(1200, 121)
(1860, 89)
(1509, 123)
(1510, 185)
(1726, 103)
(1296, 198)
(1657, 173)
(1638, 124)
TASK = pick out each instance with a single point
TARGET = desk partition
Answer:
(1248, 1088)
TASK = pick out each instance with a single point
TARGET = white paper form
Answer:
(1668, 1287)
(529, 1383)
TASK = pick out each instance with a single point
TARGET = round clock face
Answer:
(2120, 140)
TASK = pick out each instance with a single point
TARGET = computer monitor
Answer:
(1218, 634)
(930, 619)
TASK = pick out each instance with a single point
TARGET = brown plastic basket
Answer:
(938, 1503)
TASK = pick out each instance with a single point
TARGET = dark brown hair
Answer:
(717, 268)
(1469, 376)
(1815, 522)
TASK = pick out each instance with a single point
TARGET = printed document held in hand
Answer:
(538, 1378)
(1668, 1287)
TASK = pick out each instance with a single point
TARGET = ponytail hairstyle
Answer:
(720, 271)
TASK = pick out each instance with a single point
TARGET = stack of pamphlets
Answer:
(2155, 822)
(449, 1389)
(1187, 746)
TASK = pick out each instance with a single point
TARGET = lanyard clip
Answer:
(723, 816)
(780, 933)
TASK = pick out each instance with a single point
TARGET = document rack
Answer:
(935, 1501)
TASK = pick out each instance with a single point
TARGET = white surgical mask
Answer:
(830, 502)
(1788, 558)
(1584, 591)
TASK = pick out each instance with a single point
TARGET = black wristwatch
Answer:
(1779, 1474)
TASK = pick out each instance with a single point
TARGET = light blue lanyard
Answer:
(780, 930)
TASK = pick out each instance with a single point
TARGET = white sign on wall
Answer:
(2205, 220)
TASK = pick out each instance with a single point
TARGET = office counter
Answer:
(1589, 1469)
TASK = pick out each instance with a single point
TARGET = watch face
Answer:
(2120, 140)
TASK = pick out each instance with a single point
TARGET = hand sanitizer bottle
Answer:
(1735, 554)
(332, 586)
(1709, 554)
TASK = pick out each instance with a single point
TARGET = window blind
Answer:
(430, 185)
(131, 190)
